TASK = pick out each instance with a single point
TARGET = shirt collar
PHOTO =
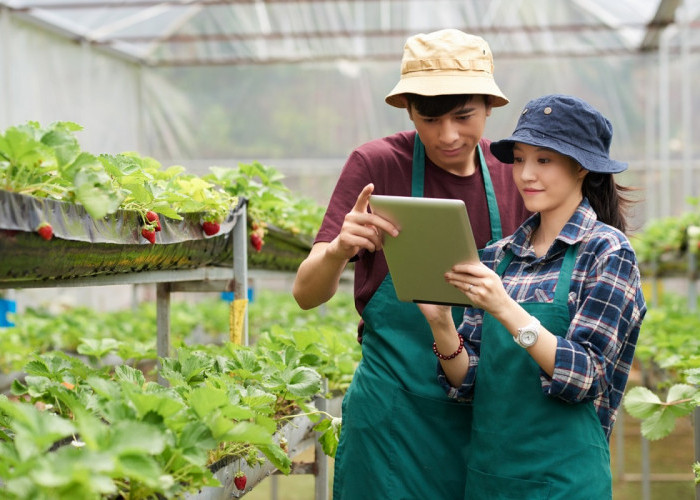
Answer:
(580, 223)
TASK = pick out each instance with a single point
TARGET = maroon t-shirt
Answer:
(388, 164)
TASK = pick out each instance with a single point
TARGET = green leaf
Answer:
(243, 432)
(129, 437)
(195, 441)
(277, 457)
(681, 399)
(205, 400)
(64, 144)
(35, 431)
(141, 468)
(303, 382)
(125, 373)
(658, 425)
(99, 348)
(641, 403)
(329, 430)
(162, 404)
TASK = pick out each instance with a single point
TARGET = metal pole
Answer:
(5, 68)
(163, 322)
(620, 444)
(240, 264)
(664, 125)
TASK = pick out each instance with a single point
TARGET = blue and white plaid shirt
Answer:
(605, 302)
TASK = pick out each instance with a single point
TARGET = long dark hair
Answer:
(608, 198)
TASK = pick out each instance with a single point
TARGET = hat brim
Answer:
(503, 151)
(445, 85)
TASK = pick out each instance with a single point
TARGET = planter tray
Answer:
(83, 246)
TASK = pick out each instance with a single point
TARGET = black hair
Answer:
(438, 105)
(608, 199)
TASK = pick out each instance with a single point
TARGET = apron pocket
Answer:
(432, 440)
(481, 485)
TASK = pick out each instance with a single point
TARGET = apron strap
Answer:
(561, 294)
(418, 181)
(418, 172)
(494, 216)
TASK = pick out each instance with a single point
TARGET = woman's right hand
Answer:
(438, 316)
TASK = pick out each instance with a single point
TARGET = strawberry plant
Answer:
(665, 241)
(669, 348)
(270, 202)
(96, 432)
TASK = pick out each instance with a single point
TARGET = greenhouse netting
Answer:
(298, 84)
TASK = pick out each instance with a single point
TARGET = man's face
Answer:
(450, 140)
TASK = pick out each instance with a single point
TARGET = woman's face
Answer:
(549, 182)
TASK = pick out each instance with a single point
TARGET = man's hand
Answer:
(361, 229)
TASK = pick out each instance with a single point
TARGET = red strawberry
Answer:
(256, 241)
(210, 227)
(151, 216)
(149, 234)
(240, 479)
(45, 231)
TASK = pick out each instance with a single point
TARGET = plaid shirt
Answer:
(605, 303)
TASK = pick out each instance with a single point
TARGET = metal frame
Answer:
(204, 279)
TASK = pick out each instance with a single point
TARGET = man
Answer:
(402, 437)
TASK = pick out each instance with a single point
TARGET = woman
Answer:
(546, 350)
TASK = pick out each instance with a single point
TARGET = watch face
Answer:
(528, 338)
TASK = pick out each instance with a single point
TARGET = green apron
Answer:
(402, 437)
(526, 445)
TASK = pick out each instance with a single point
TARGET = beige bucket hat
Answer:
(446, 62)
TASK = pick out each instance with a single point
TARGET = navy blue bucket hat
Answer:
(567, 125)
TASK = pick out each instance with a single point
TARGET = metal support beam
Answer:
(163, 323)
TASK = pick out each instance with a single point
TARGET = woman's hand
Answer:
(481, 285)
(437, 315)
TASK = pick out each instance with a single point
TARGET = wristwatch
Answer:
(527, 335)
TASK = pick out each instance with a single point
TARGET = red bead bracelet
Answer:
(454, 354)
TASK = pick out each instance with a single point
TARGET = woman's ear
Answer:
(582, 172)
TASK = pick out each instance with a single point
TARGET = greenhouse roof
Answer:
(235, 32)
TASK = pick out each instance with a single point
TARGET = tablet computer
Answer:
(434, 235)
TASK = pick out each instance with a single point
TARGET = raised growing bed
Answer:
(83, 246)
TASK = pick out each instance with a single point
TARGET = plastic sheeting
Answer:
(83, 246)
(281, 82)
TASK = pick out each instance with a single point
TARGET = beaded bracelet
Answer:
(454, 354)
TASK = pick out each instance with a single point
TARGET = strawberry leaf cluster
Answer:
(82, 432)
(668, 239)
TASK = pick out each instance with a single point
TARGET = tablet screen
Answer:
(435, 234)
